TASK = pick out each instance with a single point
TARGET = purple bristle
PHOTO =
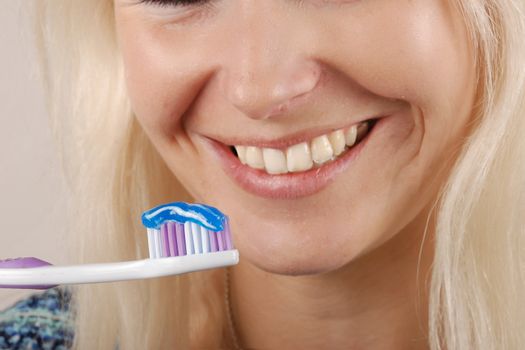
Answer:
(220, 241)
(181, 242)
(213, 241)
(227, 234)
(164, 248)
(172, 239)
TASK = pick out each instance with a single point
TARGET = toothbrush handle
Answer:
(25, 275)
(24, 263)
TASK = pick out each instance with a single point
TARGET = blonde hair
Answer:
(477, 288)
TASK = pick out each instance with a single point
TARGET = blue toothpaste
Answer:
(201, 214)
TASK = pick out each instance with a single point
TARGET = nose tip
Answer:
(262, 94)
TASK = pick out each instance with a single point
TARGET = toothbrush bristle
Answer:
(177, 239)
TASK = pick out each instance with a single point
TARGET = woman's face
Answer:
(289, 80)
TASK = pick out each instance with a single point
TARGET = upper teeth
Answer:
(304, 155)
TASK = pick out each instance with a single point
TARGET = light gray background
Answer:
(32, 194)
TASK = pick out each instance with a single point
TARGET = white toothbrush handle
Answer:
(119, 271)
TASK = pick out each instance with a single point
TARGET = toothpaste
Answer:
(201, 214)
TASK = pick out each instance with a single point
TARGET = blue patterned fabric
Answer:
(42, 321)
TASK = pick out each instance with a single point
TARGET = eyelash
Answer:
(173, 3)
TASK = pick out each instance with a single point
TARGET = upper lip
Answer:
(283, 141)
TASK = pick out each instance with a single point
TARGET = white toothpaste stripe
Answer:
(181, 212)
(205, 208)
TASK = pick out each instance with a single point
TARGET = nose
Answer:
(265, 91)
(266, 72)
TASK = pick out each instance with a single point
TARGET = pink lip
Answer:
(291, 185)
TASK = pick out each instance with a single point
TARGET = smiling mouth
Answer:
(301, 157)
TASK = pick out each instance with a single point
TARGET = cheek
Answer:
(416, 51)
(162, 75)
(410, 50)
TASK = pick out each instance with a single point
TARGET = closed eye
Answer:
(172, 3)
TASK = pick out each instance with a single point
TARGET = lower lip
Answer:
(290, 185)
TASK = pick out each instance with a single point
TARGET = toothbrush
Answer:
(182, 238)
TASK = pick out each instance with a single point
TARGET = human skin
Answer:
(335, 268)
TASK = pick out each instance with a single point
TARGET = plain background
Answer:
(32, 191)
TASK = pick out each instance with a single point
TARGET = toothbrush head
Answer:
(178, 229)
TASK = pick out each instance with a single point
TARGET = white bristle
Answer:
(205, 240)
(158, 244)
(188, 238)
(196, 235)
(151, 243)
(152, 247)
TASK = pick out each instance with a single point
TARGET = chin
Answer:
(295, 266)
(295, 255)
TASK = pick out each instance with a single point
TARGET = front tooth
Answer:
(321, 149)
(274, 161)
(254, 157)
(337, 140)
(351, 135)
(299, 158)
(241, 153)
